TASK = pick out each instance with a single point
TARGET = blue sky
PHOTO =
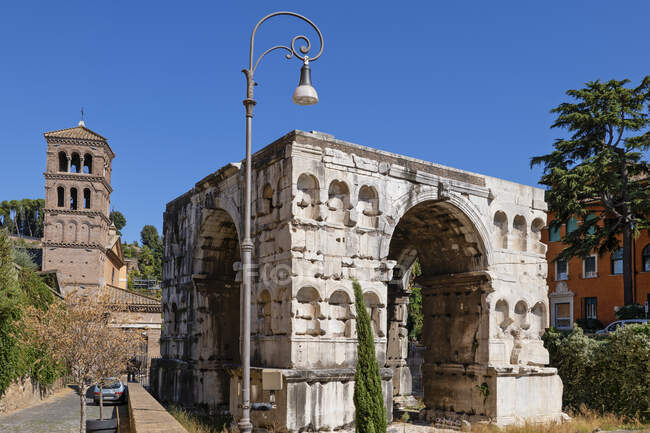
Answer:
(467, 83)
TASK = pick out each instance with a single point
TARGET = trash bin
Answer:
(101, 425)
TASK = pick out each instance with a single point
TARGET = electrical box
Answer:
(271, 380)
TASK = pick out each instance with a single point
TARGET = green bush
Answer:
(633, 311)
(370, 412)
(590, 324)
(20, 287)
(611, 375)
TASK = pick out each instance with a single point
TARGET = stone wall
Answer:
(146, 415)
(24, 393)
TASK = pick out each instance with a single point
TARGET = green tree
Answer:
(150, 257)
(415, 317)
(598, 174)
(23, 217)
(118, 219)
(370, 412)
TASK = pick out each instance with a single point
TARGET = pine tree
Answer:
(370, 412)
(599, 175)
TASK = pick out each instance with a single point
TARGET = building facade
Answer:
(592, 287)
(79, 240)
(325, 212)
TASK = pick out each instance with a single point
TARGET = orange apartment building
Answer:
(592, 287)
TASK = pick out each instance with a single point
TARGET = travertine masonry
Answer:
(327, 211)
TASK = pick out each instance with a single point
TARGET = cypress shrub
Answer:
(370, 412)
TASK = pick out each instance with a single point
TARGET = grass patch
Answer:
(198, 424)
(584, 421)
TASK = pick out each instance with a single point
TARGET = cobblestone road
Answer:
(58, 414)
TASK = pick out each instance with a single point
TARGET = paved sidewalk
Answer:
(58, 414)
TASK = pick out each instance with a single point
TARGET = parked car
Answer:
(617, 324)
(114, 390)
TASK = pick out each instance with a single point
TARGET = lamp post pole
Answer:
(305, 94)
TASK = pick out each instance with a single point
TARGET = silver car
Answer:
(617, 324)
(113, 390)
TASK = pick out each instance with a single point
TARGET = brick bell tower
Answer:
(79, 241)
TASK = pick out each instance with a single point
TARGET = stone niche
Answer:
(325, 212)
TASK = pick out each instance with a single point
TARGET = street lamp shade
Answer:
(305, 93)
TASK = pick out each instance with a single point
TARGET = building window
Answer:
(75, 163)
(617, 262)
(563, 315)
(646, 258)
(63, 162)
(86, 198)
(592, 229)
(88, 164)
(589, 267)
(60, 196)
(73, 198)
(591, 308)
(554, 232)
(561, 270)
(113, 276)
(571, 225)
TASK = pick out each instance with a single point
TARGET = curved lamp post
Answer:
(305, 94)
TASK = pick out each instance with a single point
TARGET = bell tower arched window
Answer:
(63, 162)
(73, 198)
(60, 196)
(88, 164)
(86, 198)
(75, 163)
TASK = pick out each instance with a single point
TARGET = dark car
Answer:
(114, 390)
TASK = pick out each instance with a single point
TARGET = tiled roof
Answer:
(79, 132)
(121, 296)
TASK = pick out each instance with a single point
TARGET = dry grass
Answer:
(196, 424)
(586, 421)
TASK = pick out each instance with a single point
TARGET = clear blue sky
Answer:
(466, 84)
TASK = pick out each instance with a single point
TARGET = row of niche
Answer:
(517, 237)
(521, 321)
(314, 316)
(338, 208)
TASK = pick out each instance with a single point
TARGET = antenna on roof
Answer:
(81, 122)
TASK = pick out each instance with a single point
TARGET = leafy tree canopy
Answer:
(118, 219)
(598, 174)
(23, 217)
(150, 237)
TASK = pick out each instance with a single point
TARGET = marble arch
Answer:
(485, 333)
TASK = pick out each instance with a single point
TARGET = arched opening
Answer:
(338, 202)
(73, 198)
(308, 313)
(341, 322)
(86, 198)
(520, 231)
(88, 164)
(60, 196)
(75, 163)
(215, 328)
(307, 197)
(452, 257)
(63, 162)
(216, 265)
(536, 233)
(501, 229)
(368, 206)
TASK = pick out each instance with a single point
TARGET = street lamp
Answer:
(305, 94)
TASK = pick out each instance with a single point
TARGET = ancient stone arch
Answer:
(339, 212)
